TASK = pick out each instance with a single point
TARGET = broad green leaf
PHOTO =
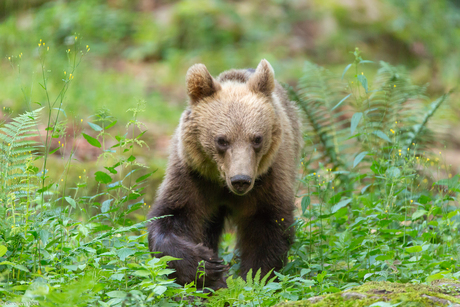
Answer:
(94, 142)
(159, 290)
(110, 125)
(142, 178)
(382, 135)
(363, 80)
(340, 205)
(434, 277)
(124, 252)
(418, 214)
(355, 121)
(393, 172)
(359, 157)
(3, 250)
(71, 202)
(119, 294)
(15, 265)
(103, 177)
(414, 249)
(95, 127)
(305, 203)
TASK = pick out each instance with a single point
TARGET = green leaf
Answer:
(118, 294)
(340, 102)
(103, 177)
(14, 265)
(434, 277)
(359, 157)
(382, 135)
(363, 80)
(418, 214)
(340, 205)
(393, 172)
(142, 178)
(71, 202)
(345, 70)
(414, 249)
(124, 252)
(95, 127)
(452, 214)
(159, 290)
(94, 142)
(355, 121)
(3, 250)
(305, 203)
(110, 125)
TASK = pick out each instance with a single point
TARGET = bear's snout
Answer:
(241, 183)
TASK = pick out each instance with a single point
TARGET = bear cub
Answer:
(233, 156)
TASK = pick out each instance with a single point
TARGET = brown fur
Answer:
(202, 188)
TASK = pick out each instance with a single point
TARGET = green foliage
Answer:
(17, 147)
(371, 208)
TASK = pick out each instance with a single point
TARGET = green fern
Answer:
(17, 147)
(392, 113)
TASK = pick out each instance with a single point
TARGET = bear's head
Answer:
(232, 130)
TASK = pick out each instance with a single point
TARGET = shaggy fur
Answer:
(233, 157)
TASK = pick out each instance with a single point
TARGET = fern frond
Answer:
(17, 146)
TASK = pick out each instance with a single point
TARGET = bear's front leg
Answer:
(179, 236)
(264, 240)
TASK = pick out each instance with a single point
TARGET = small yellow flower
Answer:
(62, 179)
(59, 142)
(425, 180)
(87, 47)
(20, 55)
(427, 159)
(399, 153)
(282, 219)
(79, 177)
(319, 176)
(145, 204)
(407, 149)
(84, 171)
(451, 258)
(9, 58)
(62, 144)
(399, 150)
(47, 48)
(411, 201)
(314, 173)
(362, 73)
(386, 211)
(9, 144)
(68, 50)
(450, 175)
(39, 45)
(439, 152)
(395, 85)
(392, 131)
(333, 188)
(43, 44)
(65, 73)
(75, 37)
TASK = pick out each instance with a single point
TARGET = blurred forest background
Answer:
(141, 50)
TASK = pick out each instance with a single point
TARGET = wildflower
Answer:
(427, 159)
(282, 219)
(9, 58)
(362, 73)
(47, 48)
(75, 37)
(87, 47)
(395, 85)
(399, 153)
(81, 120)
(65, 73)
(79, 177)
(20, 55)
(392, 131)
(84, 171)
(407, 149)
(416, 158)
(439, 152)
(62, 144)
(450, 175)
(314, 173)
(43, 44)
(333, 188)
(411, 201)
(62, 180)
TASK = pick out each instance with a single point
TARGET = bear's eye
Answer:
(222, 143)
(257, 141)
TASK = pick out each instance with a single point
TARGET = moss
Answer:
(373, 292)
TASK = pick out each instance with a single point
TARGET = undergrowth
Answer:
(373, 202)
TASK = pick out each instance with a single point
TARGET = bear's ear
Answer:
(200, 83)
(263, 79)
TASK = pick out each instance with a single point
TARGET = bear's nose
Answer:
(241, 183)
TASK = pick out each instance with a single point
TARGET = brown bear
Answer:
(234, 156)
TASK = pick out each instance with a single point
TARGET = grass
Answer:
(374, 203)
